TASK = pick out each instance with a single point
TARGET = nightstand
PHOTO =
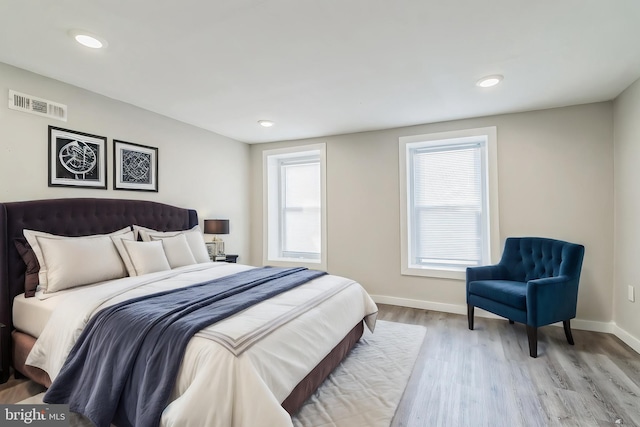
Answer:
(225, 258)
(231, 258)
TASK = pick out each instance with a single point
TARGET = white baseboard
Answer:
(590, 325)
(581, 324)
(425, 305)
(627, 338)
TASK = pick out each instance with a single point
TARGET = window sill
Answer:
(295, 262)
(430, 272)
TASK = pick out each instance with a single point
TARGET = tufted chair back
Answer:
(530, 258)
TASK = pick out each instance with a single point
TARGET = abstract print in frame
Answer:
(77, 159)
(135, 167)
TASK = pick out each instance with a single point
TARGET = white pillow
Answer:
(177, 250)
(34, 238)
(138, 228)
(117, 241)
(77, 262)
(145, 257)
(195, 239)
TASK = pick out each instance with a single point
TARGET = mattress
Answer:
(30, 315)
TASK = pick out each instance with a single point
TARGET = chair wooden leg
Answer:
(532, 334)
(511, 322)
(567, 331)
(470, 315)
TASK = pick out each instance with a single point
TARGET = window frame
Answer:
(273, 224)
(490, 185)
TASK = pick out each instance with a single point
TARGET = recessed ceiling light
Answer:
(265, 123)
(87, 39)
(489, 81)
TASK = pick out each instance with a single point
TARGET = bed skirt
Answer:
(312, 381)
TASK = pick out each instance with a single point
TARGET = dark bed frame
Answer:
(81, 217)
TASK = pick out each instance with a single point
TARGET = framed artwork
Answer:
(77, 159)
(135, 167)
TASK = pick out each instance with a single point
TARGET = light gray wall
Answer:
(627, 208)
(555, 174)
(197, 169)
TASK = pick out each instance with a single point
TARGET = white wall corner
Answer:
(627, 338)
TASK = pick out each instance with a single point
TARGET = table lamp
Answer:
(216, 227)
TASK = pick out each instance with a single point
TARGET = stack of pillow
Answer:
(55, 263)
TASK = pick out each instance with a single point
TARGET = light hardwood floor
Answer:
(485, 377)
(14, 391)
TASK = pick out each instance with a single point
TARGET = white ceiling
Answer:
(324, 67)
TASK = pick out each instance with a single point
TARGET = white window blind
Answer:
(448, 204)
(300, 208)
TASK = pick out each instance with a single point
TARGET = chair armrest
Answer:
(487, 272)
(548, 281)
(552, 299)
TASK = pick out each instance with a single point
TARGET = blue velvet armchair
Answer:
(535, 283)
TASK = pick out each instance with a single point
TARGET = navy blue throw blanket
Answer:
(123, 367)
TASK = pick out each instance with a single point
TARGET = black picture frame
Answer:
(135, 167)
(77, 159)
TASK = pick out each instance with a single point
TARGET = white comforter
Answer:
(237, 371)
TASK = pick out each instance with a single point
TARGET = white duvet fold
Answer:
(237, 371)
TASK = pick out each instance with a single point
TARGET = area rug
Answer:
(363, 391)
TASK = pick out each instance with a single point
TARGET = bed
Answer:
(271, 377)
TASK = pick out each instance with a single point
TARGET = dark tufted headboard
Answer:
(71, 217)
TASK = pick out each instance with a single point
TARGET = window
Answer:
(294, 206)
(449, 202)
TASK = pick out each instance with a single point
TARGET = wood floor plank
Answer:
(17, 390)
(485, 377)
(621, 394)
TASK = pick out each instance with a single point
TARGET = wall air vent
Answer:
(34, 105)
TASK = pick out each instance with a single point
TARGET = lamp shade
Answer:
(216, 226)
